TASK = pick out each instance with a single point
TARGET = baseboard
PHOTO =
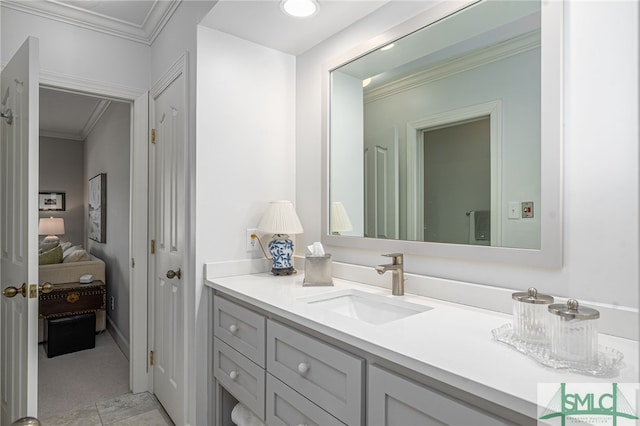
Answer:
(122, 343)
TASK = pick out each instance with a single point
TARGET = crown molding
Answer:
(61, 135)
(146, 33)
(456, 65)
(94, 118)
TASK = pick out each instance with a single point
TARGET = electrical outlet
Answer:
(251, 243)
(112, 303)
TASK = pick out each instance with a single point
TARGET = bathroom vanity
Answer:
(290, 355)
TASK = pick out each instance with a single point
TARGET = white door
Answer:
(381, 217)
(19, 235)
(167, 170)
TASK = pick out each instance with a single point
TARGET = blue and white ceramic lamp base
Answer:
(281, 249)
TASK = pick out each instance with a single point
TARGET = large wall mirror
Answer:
(443, 136)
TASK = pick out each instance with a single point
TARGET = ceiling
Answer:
(71, 116)
(68, 115)
(262, 22)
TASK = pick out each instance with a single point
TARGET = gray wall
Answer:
(107, 150)
(62, 170)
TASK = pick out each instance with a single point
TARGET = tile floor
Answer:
(139, 409)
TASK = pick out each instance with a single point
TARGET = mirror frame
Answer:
(550, 253)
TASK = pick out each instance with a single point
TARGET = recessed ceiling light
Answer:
(387, 47)
(366, 82)
(299, 8)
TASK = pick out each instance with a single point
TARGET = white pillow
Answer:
(77, 256)
(70, 250)
(65, 245)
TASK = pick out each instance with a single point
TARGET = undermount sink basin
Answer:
(363, 306)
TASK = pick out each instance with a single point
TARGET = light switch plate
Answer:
(514, 210)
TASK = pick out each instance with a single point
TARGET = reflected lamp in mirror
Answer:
(339, 219)
(280, 220)
(51, 227)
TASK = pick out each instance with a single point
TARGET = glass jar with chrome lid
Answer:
(574, 332)
(531, 316)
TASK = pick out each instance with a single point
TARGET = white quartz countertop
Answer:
(451, 343)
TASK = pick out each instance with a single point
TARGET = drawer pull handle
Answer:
(233, 375)
(303, 368)
(303, 424)
(233, 329)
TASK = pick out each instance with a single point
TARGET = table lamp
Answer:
(339, 219)
(281, 220)
(51, 227)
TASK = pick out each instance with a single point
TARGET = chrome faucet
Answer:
(397, 269)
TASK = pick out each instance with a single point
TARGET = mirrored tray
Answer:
(609, 360)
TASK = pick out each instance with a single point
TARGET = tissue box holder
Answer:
(317, 271)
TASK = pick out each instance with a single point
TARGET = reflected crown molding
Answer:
(456, 65)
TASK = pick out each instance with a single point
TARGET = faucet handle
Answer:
(397, 257)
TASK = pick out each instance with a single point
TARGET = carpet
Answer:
(76, 380)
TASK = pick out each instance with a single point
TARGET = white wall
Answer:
(245, 157)
(600, 158)
(347, 169)
(62, 169)
(72, 51)
(107, 150)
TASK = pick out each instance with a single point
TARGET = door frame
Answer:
(415, 165)
(138, 211)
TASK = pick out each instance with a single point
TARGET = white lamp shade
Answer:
(280, 218)
(51, 226)
(339, 218)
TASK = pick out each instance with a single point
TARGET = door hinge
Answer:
(133, 262)
(152, 358)
(153, 246)
(153, 135)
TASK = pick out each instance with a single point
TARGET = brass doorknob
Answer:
(46, 287)
(172, 274)
(12, 291)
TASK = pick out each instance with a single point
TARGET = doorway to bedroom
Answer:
(83, 137)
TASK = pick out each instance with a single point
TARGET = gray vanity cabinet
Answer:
(282, 375)
(328, 376)
(238, 353)
(287, 407)
(394, 400)
(240, 328)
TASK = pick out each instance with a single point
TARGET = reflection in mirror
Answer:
(437, 136)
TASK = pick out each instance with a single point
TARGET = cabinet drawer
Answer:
(287, 407)
(240, 328)
(241, 377)
(394, 400)
(324, 374)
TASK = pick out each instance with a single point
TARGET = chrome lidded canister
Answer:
(530, 316)
(574, 332)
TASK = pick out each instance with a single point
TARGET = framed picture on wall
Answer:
(51, 201)
(98, 208)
